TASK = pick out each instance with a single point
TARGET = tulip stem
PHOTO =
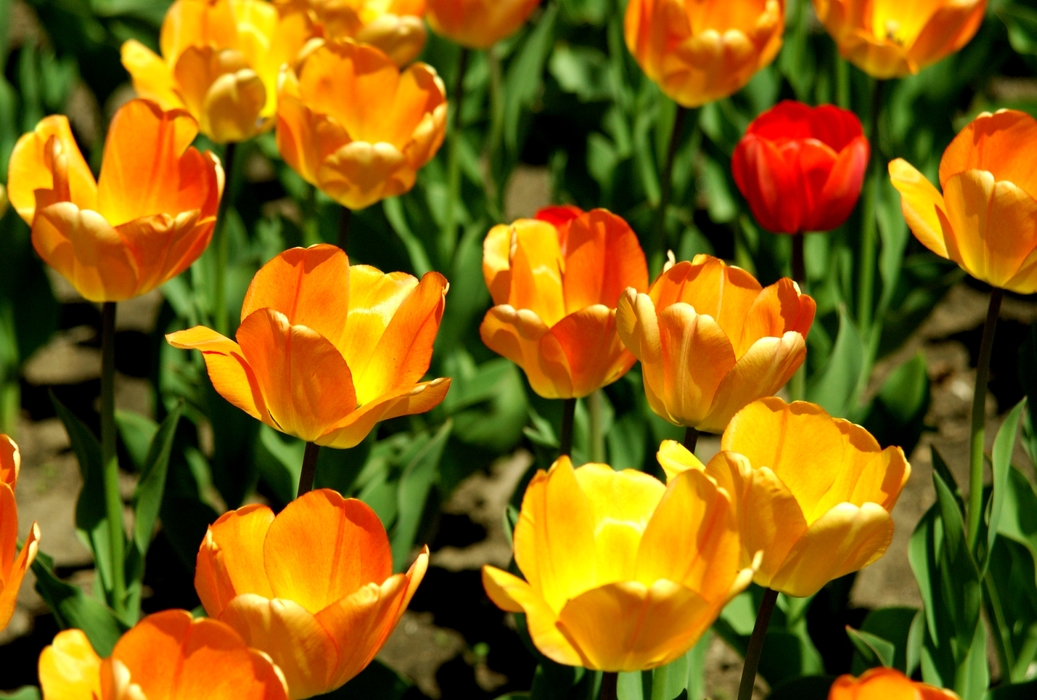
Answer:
(565, 442)
(799, 266)
(755, 648)
(345, 218)
(595, 411)
(979, 415)
(658, 242)
(221, 244)
(869, 217)
(110, 461)
(454, 161)
(691, 439)
(309, 468)
(609, 686)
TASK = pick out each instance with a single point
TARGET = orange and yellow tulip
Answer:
(220, 61)
(986, 218)
(891, 38)
(478, 24)
(813, 493)
(144, 221)
(555, 281)
(12, 566)
(326, 350)
(394, 26)
(167, 656)
(312, 587)
(702, 51)
(711, 339)
(350, 123)
(621, 572)
(885, 684)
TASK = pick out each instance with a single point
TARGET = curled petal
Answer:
(10, 461)
(593, 348)
(517, 335)
(407, 401)
(46, 159)
(12, 570)
(360, 174)
(496, 263)
(163, 246)
(996, 143)
(401, 37)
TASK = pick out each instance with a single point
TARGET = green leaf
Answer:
(1022, 27)
(147, 497)
(944, 472)
(27, 693)
(874, 650)
(892, 625)
(137, 432)
(1001, 460)
(835, 387)
(415, 484)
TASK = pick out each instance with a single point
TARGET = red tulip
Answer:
(801, 168)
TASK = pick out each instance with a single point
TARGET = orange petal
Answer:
(230, 559)
(305, 139)
(920, 202)
(778, 309)
(869, 473)
(712, 288)
(70, 668)
(522, 337)
(407, 401)
(163, 246)
(151, 76)
(536, 271)
(596, 356)
(603, 257)
(360, 174)
(996, 143)
(10, 461)
(33, 167)
(12, 570)
(885, 684)
(402, 38)
(496, 263)
(638, 326)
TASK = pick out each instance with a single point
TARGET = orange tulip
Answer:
(706, 50)
(813, 492)
(12, 566)
(986, 218)
(478, 24)
(622, 573)
(326, 350)
(167, 656)
(710, 340)
(350, 123)
(885, 684)
(555, 282)
(220, 61)
(143, 222)
(892, 38)
(312, 587)
(394, 26)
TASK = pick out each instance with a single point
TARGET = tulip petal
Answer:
(305, 139)
(12, 570)
(522, 337)
(842, 188)
(638, 328)
(951, 27)
(152, 78)
(674, 458)
(407, 401)
(189, 23)
(496, 263)
(602, 257)
(360, 174)
(374, 299)
(10, 461)
(712, 288)
(536, 271)
(920, 202)
(32, 167)
(402, 38)
(997, 143)
(230, 559)
(765, 177)
(592, 348)
(885, 684)
(229, 371)
(843, 540)
(69, 668)
(163, 246)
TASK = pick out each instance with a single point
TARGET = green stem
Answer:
(449, 236)
(309, 468)
(979, 414)
(755, 648)
(595, 409)
(110, 461)
(609, 686)
(657, 249)
(220, 242)
(565, 441)
(842, 82)
(869, 218)
(799, 265)
(1002, 631)
(691, 439)
(345, 218)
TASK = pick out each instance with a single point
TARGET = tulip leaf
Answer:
(1021, 21)
(1001, 461)
(415, 484)
(891, 625)
(1018, 521)
(1011, 599)
(630, 686)
(945, 474)
(874, 650)
(147, 497)
(27, 693)
(835, 387)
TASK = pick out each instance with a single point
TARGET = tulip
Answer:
(478, 24)
(220, 61)
(801, 169)
(555, 282)
(986, 218)
(891, 38)
(167, 656)
(12, 566)
(350, 123)
(326, 350)
(621, 573)
(711, 340)
(813, 493)
(144, 221)
(312, 587)
(702, 51)
(394, 26)
(885, 684)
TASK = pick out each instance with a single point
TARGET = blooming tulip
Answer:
(702, 51)
(813, 493)
(478, 24)
(555, 282)
(167, 656)
(312, 587)
(986, 218)
(801, 169)
(885, 684)
(621, 573)
(12, 566)
(326, 350)
(144, 221)
(220, 61)
(394, 26)
(892, 38)
(710, 340)
(350, 123)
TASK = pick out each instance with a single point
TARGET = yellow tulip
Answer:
(813, 493)
(394, 26)
(220, 61)
(621, 572)
(12, 567)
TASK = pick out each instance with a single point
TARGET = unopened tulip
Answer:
(326, 350)
(885, 684)
(621, 572)
(312, 587)
(220, 61)
(350, 123)
(711, 339)
(702, 51)
(813, 493)
(394, 26)
(144, 221)
(986, 218)
(555, 282)
(478, 24)
(892, 38)
(167, 656)
(12, 565)
(801, 169)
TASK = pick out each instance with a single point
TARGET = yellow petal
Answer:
(33, 166)
(920, 202)
(233, 107)
(638, 328)
(770, 519)
(151, 76)
(374, 299)
(360, 174)
(70, 668)
(536, 270)
(674, 458)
